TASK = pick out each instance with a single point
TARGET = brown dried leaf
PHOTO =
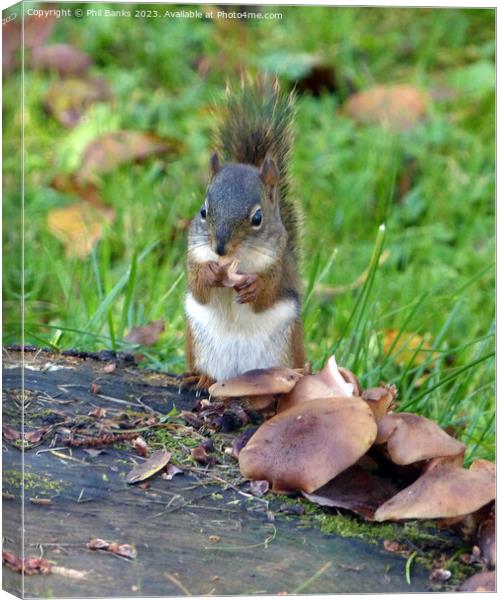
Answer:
(488, 540)
(41, 501)
(201, 456)
(99, 412)
(12, 561)
(239, 442)
(407, 347)
(400, 107)
(171, 471)
(10, 434)
(67, 100)
(34, 565)
(70, 573)
(146, 335)
(259, 488)
(62, 58)
(79, 227)
(97, 544)
(154, 464)
(140, 446)
(111, 150)
(109, 368)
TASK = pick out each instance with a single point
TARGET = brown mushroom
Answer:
(305, 446)
(444, 491)
(258, 382)
(411, 438)
(481, 582)
(380, 399)
(324, 384)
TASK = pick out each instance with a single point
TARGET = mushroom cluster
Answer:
(344, 447)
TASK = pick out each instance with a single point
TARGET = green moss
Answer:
(32, 481)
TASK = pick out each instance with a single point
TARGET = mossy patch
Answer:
(32, 482)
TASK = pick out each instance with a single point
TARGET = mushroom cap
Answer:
(305, 446)
(258, 382)
(380, 399)
(445, 491)
(411, 438)
(327, 382)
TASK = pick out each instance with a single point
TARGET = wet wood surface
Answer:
(192, 535)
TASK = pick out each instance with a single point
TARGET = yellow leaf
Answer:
(79, 227)
(410, 348)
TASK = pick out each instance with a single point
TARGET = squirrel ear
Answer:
(269, 173)
(215, 164)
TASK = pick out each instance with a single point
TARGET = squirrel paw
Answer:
(196, 381)
(213, 274)
(248, 290)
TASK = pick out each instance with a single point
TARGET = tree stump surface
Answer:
(192, 536)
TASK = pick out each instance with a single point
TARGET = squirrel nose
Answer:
(220, 248)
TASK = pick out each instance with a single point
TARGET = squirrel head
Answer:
(241, 210)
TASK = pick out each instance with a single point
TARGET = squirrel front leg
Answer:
(202, 277)
(262, 290)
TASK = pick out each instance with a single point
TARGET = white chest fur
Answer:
(230, 338)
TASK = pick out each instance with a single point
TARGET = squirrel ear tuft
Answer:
(269, 173)
(215, 164)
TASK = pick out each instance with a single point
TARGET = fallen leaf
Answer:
(155, 463)
(125, 550)
(355, 489)
(70, 573)
(400, 107)
(140, 446)
(440, 575)
(214, 539)
(97, 544)
(444, 491)
(392, 546)
(487, 540)
(62, 58)
(67, 100)
(306, 446)
(240, 441)
(41, 501)
(36, 435)
(109, 368)
(99, 412)
(201, 456)
(481, 582)
(34, 565)
(93, 451)
(12, 561)
(111, 150)
(411, 438)
(95, 389)
(408, 348)
(146, 335)
(259, 488)
(79, 227)
(10, 434)
(171, 471)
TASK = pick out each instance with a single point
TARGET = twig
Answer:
(178, 583)
(315, 576)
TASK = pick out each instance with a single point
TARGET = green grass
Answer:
(431, 272)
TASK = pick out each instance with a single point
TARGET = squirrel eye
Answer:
(257, 218)
(203, 212)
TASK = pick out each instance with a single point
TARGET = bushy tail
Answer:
(258, 123)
